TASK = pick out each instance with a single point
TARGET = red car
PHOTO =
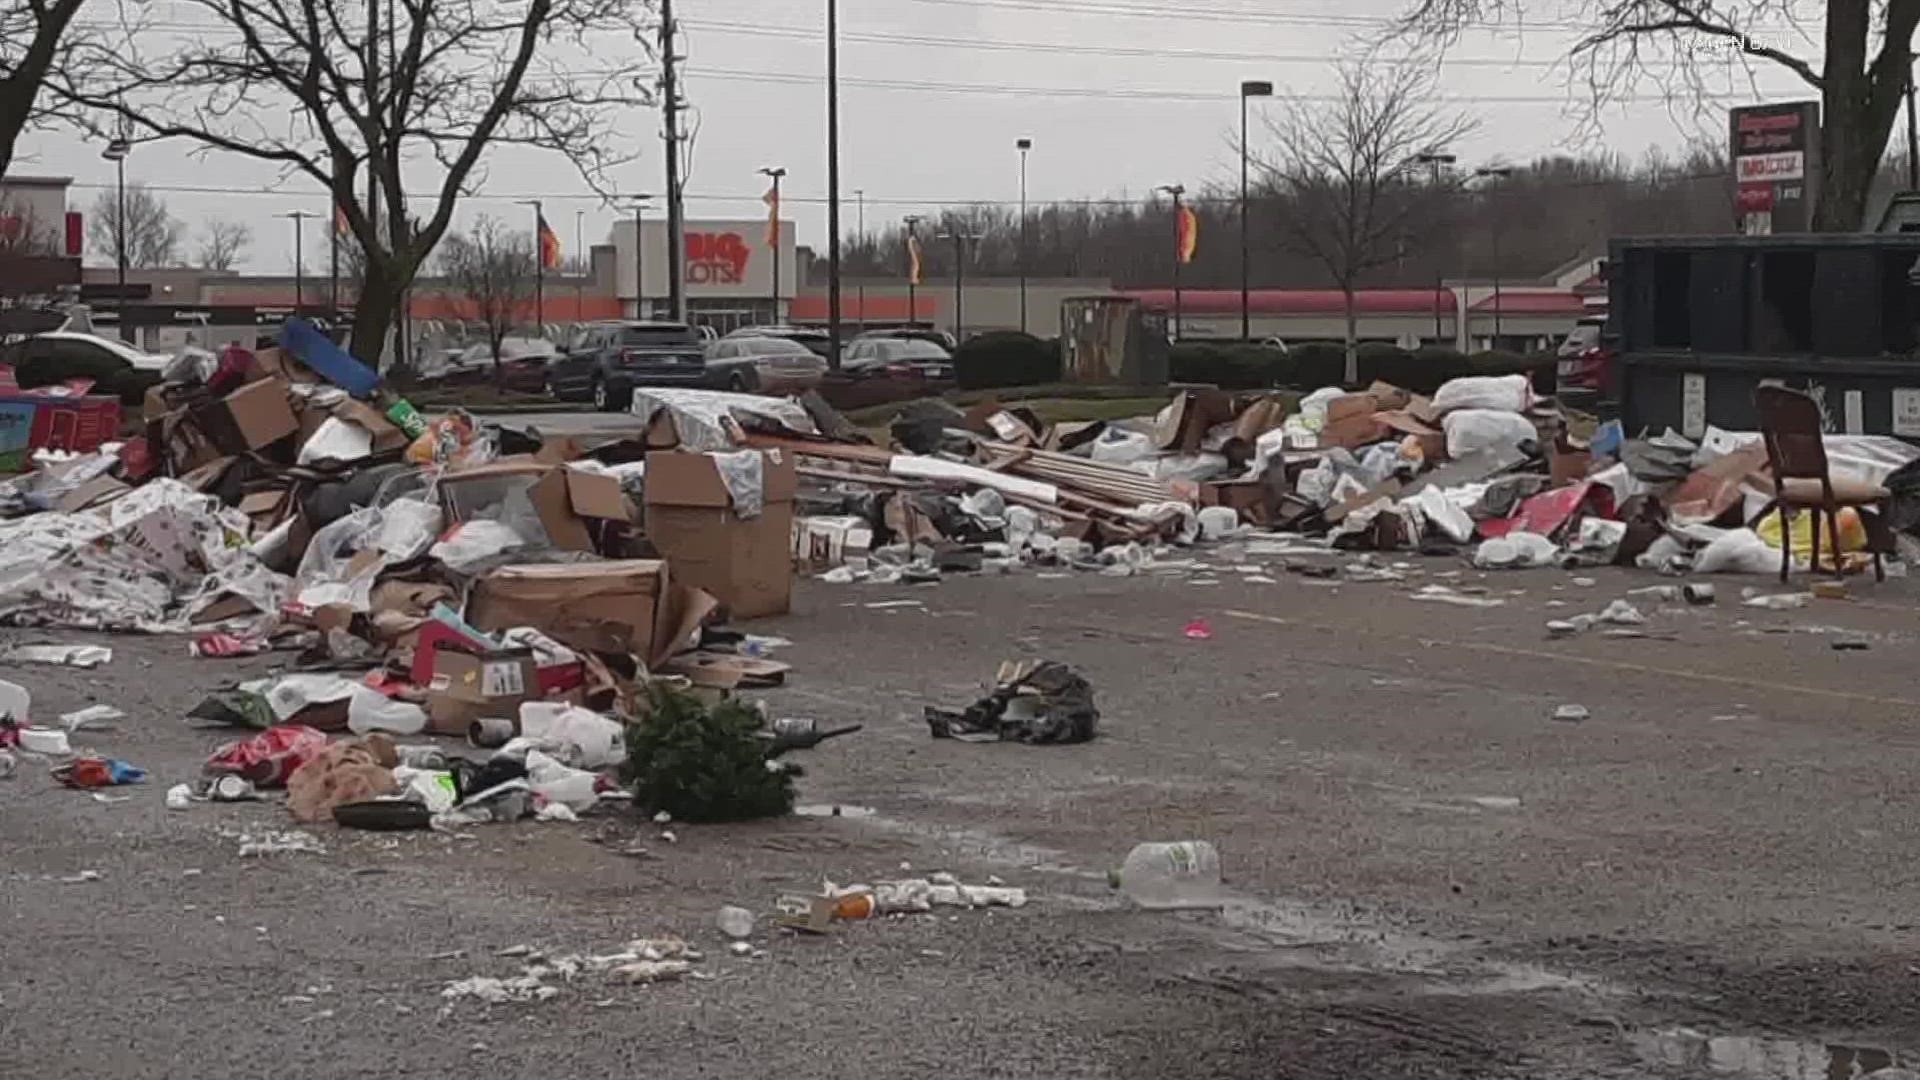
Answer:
(1584, 360)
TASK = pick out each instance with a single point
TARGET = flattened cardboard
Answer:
(1249, 498)
(1259, 417)
(1350, 421)
(253, 417)
(98, 491)
(1184, 423)
(726, 671)
(1386, 489)
(1390, 396)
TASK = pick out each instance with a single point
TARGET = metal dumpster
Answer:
(1701, 321)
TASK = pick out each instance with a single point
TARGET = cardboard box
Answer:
(471, 686)
(1249, 498)
(824, 542)
(98, 491)
(561, 497)
(251, 418)
(618, 606)
(1350, 421)
(1432, 439)
(745, 563)
(1184, 423)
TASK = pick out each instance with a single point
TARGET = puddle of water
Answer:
(1759, 1057)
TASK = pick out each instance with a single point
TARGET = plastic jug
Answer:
(1166, 876)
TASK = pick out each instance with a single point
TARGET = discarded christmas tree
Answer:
(702, 763)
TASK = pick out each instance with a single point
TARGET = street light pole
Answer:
(1023, 145)
(1251, 88)
(860, 226)
(913, 239)
(639, 257)
(960, 241)
(1176, 190)
(833, 183)
(579, 269)
(773, 236)
(1501, 172)
(1436, 162)
(539, 269)
(117, 150)
(299, 219)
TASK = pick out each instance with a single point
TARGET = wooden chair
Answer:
(1797, 452)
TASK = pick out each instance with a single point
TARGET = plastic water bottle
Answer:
(1166, 876)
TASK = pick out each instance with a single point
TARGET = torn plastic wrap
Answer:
(744, 474)
(707, 419)
(149, 561)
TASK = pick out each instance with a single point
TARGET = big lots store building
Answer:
(731, 281)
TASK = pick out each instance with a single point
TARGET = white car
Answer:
(71, 345)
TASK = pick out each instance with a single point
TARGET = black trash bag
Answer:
(1903, 510)
(1034, 701)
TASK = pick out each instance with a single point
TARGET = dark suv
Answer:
(603, 362)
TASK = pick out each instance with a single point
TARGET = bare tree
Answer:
(492, 268)
(323, 90)
(152, 233)
(222, 243)
(1855, 54)
(35, 36)
(1349, 174)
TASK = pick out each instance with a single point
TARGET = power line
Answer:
(1135, 94)
(759, 198)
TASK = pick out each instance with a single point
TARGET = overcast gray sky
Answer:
(1118, 95)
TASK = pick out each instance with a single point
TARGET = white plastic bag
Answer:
(1737, 551)
(1515, 550)
(1218, 522)
(601, 740)
(1442, 516)
(1118, 446)
(1472, 430)
(1499, 393)
(474, 542)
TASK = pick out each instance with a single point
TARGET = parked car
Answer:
(523, 364)
(814, 338)
(932, 360)
(763, 366)
(882, 371)
(604, 361)
(71, 348)
(1584, 360)
(912, 333)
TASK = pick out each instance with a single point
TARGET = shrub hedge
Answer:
(1006, 358)
(1314, 364)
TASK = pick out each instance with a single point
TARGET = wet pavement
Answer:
(1428, 875)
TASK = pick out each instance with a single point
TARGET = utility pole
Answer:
(299, 219)
(833, 183)
(1023, 145)
(1913, 137)
(676, 221)
(775, 174)
(913, 241)
(1252, 88)
(539, 267)
(580, 264)
(640, 257)
(1176, 190)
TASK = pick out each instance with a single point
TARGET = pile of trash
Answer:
(1483, 469)
(426, 577)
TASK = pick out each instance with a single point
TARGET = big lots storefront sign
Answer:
(722, 259)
